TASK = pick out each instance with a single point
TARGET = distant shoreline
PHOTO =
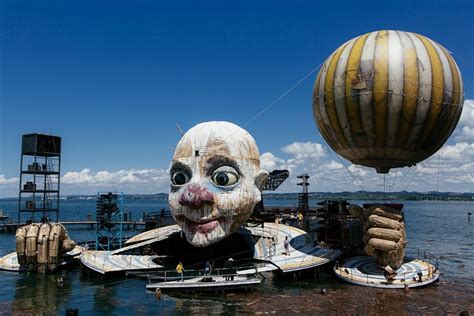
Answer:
(359, 195)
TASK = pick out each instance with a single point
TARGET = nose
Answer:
(195, 196)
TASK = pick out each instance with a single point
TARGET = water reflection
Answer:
(437, 227)
(104, 298)
(41, 292)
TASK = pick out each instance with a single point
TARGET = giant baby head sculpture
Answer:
(215, 181)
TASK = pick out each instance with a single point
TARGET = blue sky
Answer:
(113, 78)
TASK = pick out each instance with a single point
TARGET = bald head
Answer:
(215, 181)
(217, 138)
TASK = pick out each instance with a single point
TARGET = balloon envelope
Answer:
(388, 99)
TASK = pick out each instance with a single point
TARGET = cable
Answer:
(437, 178)
(393, 182)
(294, 86)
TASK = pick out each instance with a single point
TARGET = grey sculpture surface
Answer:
(384, 233)
(215, 181)
(39, 246)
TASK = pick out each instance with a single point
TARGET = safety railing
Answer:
(172, 275)
(421, 275)
(418, 275)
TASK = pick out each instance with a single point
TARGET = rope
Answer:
(284, 94)
(384, 189)
(437, 178)
(351, 174)
(393, 182)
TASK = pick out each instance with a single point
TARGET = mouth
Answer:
(203, 226)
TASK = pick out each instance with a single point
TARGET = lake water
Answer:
(440, 228)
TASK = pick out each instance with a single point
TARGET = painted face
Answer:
(215, 181)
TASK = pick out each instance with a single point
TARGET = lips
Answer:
(203, 227)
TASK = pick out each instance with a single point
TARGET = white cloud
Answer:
(305, 150)
(467, 116)
(129, 181)
(454, 163)
(465, 130)
(332, 165)
(451, 169)
(270, 162)
(358, 170)
(132, 176)
(82, 177)
(458, 152)
(466, 133)
(7, 181)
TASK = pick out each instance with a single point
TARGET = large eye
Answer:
(225, 176)
(179, 177)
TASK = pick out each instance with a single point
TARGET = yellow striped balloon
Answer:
(388, 99)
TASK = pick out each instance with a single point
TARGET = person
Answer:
(228, 266)
(273, 248)
(180, 270)
(292, 219)
(207, 268)
(300, 219)
(162, 216)
(286, 243)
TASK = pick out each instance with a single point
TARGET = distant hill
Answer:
(359, 195)
(366, 195)
(155, 196)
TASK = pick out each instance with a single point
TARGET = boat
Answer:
(3, 216)
(206, 284)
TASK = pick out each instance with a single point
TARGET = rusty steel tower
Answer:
(40, 170)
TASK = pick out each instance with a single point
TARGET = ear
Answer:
(261, 179)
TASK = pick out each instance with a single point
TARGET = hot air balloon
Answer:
(388, 99)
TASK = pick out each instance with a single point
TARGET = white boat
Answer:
(3, 216)
(202, 284)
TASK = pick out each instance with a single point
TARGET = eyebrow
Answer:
(178, 166)
(219, 161)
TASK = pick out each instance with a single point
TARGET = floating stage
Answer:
(363, 270)
(205, 284)
(10, 261)
(264, 244)
(105, 262)
(303, 254)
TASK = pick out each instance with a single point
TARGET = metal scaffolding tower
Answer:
(109, 217)
(40, 170)
(275, 179)
(303, 204)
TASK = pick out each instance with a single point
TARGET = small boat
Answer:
(207, 283)
(171, 275)
(3, 216)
